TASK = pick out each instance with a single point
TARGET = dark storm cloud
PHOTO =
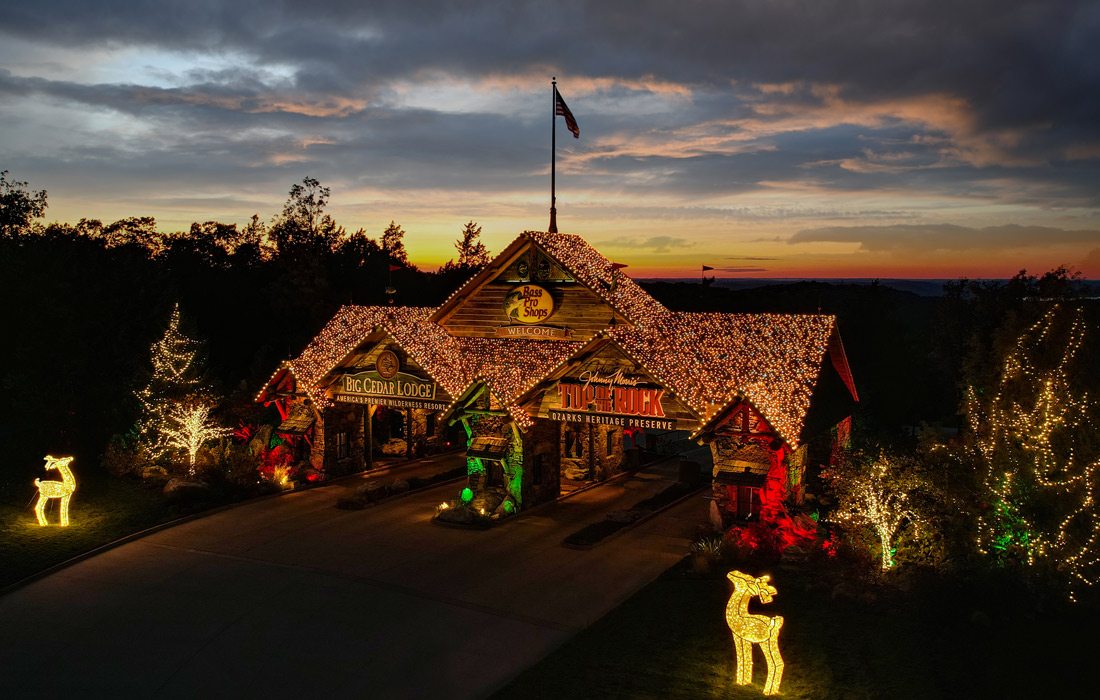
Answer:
(983, 99)
(946, 237)
(1017, 63)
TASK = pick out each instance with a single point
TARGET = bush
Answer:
(123, 459)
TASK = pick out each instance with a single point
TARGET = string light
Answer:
(62, 490)
(749, 629)
(711, 360)
(1029, 440)
(877, 495)
(176, 373)
(188, 428)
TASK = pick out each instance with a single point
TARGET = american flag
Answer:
(562, 110)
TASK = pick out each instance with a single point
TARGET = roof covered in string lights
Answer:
(708, 360)
(509, 367)
(587, 265)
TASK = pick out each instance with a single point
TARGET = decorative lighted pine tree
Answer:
(1036, 446)
(176, 378)
(188, 427)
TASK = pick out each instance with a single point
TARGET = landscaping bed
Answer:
(381, 488)
(593, 534)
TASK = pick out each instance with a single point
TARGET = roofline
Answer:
(480, 279)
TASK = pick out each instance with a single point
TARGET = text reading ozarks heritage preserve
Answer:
(615, 394)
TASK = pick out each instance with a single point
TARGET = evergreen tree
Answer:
(471, 251)
(394, 245)
(176, 378)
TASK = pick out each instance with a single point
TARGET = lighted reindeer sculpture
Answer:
(754, 629)
(55, 489)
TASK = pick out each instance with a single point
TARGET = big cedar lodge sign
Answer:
(550, 332)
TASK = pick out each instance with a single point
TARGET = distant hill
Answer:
(922, 287)
(888, 335)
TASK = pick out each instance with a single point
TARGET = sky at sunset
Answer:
(765, 139)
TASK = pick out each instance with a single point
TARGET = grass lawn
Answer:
(102, 510)
(840, 639)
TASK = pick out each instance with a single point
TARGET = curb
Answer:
(633, 524)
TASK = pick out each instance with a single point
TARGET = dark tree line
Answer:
(82, 303)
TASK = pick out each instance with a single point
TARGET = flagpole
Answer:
(553, 154)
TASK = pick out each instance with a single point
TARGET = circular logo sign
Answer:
(387, 364)
(528, 303)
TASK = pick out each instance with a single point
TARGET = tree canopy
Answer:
(19, 206)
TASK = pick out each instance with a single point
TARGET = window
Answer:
(748, 502)
(342, 445)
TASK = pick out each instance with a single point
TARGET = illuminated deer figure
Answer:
(55, 489)
(754, 629)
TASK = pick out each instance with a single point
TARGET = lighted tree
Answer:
(177, 376)
(879, 494)
(188, 428)
(1035, 442)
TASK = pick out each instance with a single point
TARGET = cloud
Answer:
(741, 269)
(945, 237)
(654, 244)
(798, 113)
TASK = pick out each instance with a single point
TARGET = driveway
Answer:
(292, 597)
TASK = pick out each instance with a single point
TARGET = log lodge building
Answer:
(555, 368)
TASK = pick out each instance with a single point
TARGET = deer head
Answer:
(57, 462)
(755, 586)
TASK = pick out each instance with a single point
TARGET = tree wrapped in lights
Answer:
(879, 494)
(188, 428)
(1035, 444)
(177, 378)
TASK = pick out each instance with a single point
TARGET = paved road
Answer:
(292, 597)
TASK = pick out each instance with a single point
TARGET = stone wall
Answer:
(541, 463)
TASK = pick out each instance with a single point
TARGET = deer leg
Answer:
(738, 661)
(65, 510)
(775, 664)
(744, 666)
(40, 509)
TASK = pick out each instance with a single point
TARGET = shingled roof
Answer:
(711, 359)
(708, 360)
(586, 264)
(509, 367)
(593, 270)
